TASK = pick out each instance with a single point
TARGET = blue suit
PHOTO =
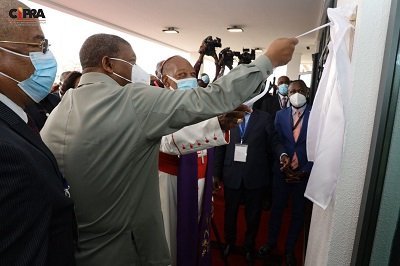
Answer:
(281, 189)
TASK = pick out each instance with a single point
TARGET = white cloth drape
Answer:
(326, 126)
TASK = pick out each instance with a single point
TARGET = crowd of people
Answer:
(112, 166)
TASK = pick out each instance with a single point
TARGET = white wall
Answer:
(333, 230)
(293, 67)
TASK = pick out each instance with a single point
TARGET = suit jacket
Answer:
(39, 112)
(106, 139)
(283, 125)
(263, 148)
(270, 104)
(36, 218)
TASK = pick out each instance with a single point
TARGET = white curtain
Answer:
(326, 126)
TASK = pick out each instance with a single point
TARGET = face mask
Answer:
(297, 100)
(185, 84)
(283, 89)
(138, 75)
(38, 85)
(205, 79)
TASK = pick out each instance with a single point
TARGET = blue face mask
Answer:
(38, 85)
(283, 89)
(185, 84)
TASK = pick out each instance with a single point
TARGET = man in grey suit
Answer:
(106, 135)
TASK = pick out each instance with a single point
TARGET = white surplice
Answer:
(195, 138)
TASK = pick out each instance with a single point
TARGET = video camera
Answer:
(226, 57)
(246, 56)
(211, 44)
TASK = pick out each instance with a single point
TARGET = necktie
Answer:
(296, 132)
(284, 102)
(242, 128)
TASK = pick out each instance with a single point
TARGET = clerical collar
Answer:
(14, 107)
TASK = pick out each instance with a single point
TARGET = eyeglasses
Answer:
(44, 44)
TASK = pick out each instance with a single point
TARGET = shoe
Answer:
(249, 256)
(264, 251)
(290, 259)
(228, 249)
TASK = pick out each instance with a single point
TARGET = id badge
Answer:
(240, 153)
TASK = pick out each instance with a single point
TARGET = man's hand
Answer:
(281, 50)
(285, 161)
(230, 120)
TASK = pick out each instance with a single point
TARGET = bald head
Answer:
(178, 68)
(8, 29)
(171, 64)
(283, 80)
(99, 45)
(13, 65)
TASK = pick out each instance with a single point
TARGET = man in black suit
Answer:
(245, 167)
(273, 103)
(36, 214)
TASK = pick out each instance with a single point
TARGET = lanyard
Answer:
(242, 128)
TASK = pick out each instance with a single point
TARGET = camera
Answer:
(226, 57)
(246, 56)
(211, 44)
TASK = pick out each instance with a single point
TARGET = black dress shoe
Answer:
(249, 258)
(228, 249)
(264, 251)
(290, 259)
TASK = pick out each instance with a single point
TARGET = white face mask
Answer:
(138, 75)
(297, 100)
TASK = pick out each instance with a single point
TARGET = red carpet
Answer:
(237, 258)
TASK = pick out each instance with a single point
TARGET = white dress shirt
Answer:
(15, 107)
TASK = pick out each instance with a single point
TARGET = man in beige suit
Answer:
(106, 137)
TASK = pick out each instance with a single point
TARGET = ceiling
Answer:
(262, 20)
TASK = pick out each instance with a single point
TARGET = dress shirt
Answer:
(13, 106)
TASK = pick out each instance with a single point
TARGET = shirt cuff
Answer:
(280, 157)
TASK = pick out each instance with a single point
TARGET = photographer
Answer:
(207, 47)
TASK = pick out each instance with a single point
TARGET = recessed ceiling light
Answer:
(170, 30)
(234, 29)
